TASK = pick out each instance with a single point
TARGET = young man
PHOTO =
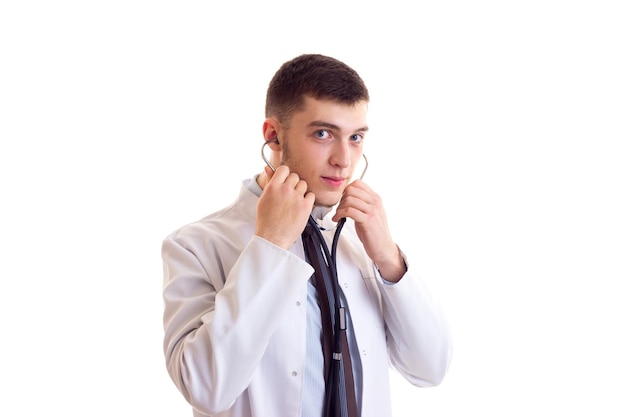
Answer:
(243, 313)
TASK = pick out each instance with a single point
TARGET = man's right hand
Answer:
(283, 208)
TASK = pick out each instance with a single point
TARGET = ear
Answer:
(272, 133)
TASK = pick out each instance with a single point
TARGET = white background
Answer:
(497, 135)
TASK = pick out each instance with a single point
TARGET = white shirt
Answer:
(235, 319)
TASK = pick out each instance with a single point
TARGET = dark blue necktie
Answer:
(340, 398)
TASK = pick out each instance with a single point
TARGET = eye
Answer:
(358, 138)
(322, 134)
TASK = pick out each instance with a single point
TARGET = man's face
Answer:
(323, 143)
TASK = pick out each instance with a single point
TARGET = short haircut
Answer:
(318, 76)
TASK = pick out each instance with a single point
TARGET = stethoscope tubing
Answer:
(331, 257)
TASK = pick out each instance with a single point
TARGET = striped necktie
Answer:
(340, 398)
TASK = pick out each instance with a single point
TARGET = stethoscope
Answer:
(331, 261)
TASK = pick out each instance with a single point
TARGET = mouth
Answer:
(334, 182)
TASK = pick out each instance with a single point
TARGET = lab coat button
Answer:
(294, 373)
(298, 303)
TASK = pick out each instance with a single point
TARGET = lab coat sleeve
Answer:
(418, 335)
(218, 327)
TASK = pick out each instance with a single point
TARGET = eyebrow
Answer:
(321, 123)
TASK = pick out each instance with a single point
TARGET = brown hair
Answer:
(314, 75)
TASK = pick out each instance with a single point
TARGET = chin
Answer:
(326, 201)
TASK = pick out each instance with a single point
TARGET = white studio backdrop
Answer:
(497, 135)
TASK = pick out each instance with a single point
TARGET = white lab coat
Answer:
(235, 319)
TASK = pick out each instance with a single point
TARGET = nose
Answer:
(340, 156)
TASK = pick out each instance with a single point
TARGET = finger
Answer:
(310, 198)
(360, 190)
(357, 199)
(360, 185)
(301, 187)
(280, 174)
(354, 203)
(292, 179)
(353, 213)
(358, 207)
